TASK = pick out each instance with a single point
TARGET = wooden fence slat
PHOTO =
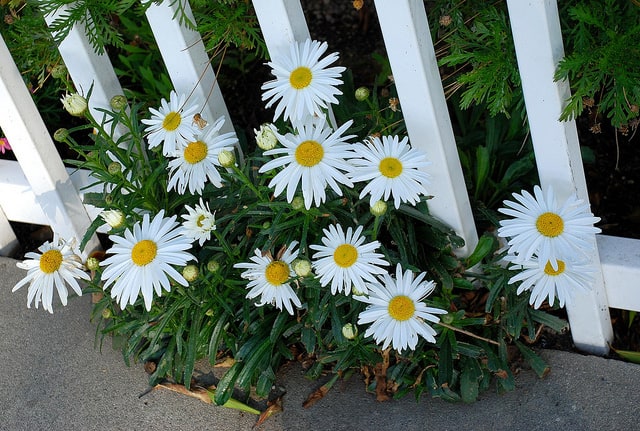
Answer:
(538, 42)
(282, 22)
(87, 68)
(187, 61)
(422, 101)
(34, 149)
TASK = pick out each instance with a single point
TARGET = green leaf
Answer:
(629, 355)
(537, 363)
(226, 384)
(486, 243)
(232, 403)
(470, 380)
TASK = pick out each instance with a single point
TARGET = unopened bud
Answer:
(213, 266)
(265, 138)
(302, 267)
(118, 103)
(60, 135)
(114, 168)
(93, 264)
(362, 94)
(190, 273)
(59, 71)
(297, 203)
(350, 331)
(106, 313)
(74, 104)
(114, 218)
(226, 158)
(379, 208)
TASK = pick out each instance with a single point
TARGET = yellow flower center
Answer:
(277, 272)
(345, 255)
(300, 77)
(50, 261)
(171, 121)
(144, 252)
(309, 153)
(401, 308)
(548, 269)
(201, 217)
(390, 167)
(550, 224)
(195, 152)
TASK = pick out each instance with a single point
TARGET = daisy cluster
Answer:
(308, 161)
(551, 243)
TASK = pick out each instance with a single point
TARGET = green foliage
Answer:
(603, 60)
(486, 69)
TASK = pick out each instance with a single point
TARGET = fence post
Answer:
(187, 61)
(282, 22)
(538, 42)
(415, 70)
(34, 149)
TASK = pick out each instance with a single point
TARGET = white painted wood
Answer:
(87, 68)
(282, 23)
(538, 42)
(34, 149)
(8, 241)
(415, 71)
(187, 61)
(19, 201)
(620, 259)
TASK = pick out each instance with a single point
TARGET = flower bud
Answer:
(118, 103)
(297, 203)
(265, 138)
(75, 104)
(210, 312)
(93, 264)
(190, 273)
(106, 313)
(302, 267)
(266, 225)
(114, 218)
(213, 266)
(59, 71)
(60, 135)
(226, 158)
(378, 209)
(108, 199)
(349, 331)
(114, 168)
(356, 292)
(362, 94)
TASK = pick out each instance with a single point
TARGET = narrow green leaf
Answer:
(537, 363)
(629, 355)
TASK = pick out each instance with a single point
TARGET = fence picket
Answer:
(556, 147)
(87, 68)
(34, 149)
(424, 108)
(186, 60)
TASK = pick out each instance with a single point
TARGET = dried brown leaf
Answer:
(273, 407)
(197, 392)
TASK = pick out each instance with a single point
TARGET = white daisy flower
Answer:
(396, 311)
(304, 84)
(269, 278)
(542, 227)
(196, 161)
(199, 223)
(392, 168)
(544, 281)
(57, 266)
(317, 156)
(346, 260)
(143, 260)
(172, 124)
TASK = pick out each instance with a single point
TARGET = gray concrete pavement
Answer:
(53, 378)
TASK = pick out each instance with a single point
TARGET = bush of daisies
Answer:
(310, 241)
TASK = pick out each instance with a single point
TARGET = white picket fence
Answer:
(38, 189)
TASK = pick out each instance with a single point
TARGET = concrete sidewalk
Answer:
(54, 379)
